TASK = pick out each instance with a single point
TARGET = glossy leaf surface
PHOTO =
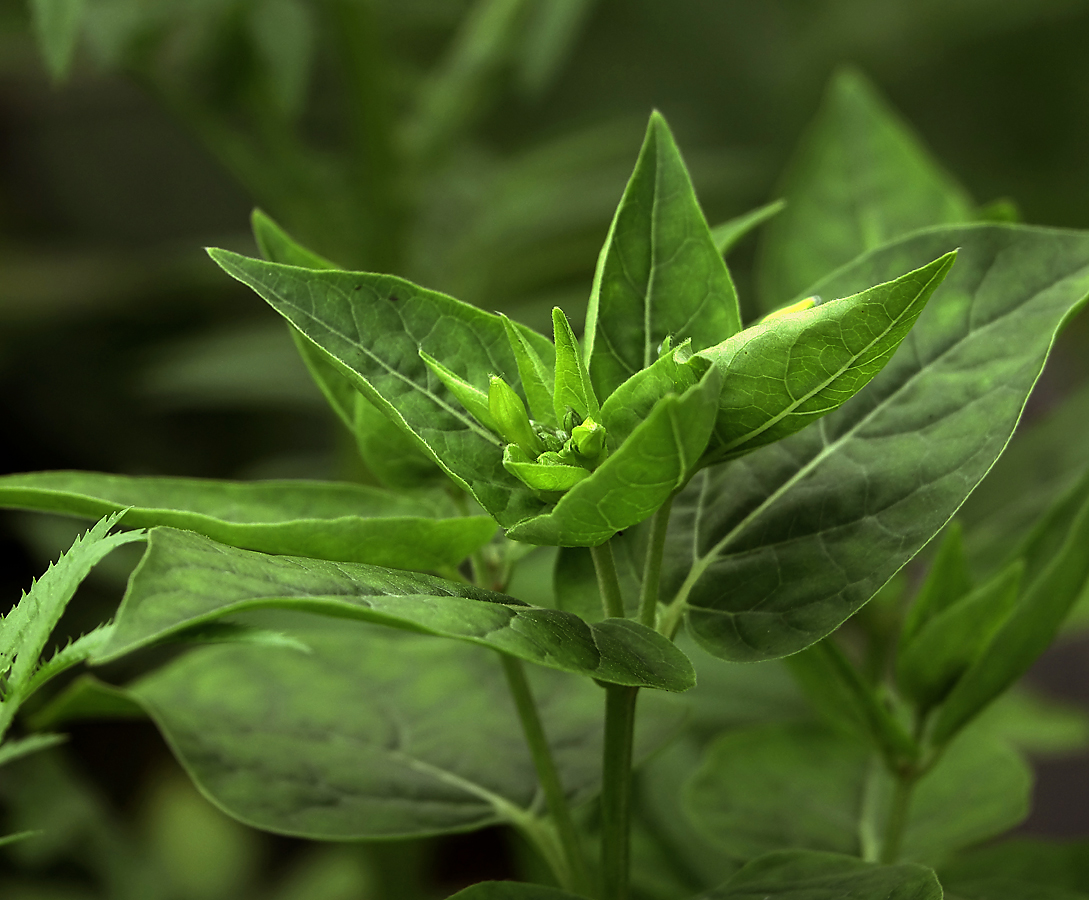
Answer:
(860, 178)
(656, 459)
(365, 736)
(802, 875)
(783, 374)
(186, 580)
(659, 274)
(326, 520)
(777, 548)
(375, 326)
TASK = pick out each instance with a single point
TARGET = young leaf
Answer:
(860, 179)
(788, 371)
(733, 230)
(25, 630)
(776, 549)
(389, 454)
(375, 326)
(659, 274)
(186, 580)
(57, 24)
(537, 377)
(1053, 584)
(327, 520)
(780, 786)
(953, 639)
(806, 875)
(365, 737)
(657, 458)
(472, 398)
(947, 581)
(573, 388)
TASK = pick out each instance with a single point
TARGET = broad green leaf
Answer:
(185, 580)
(1060, 577)
(511, 890)
(806, 875)
(780, 786)
(952, 640)
(572, 386)
(389, 453)
(632, 402)
(786, 372)
(659, 274)
(733, 230)
(860, 178)
(947, 581)
(13, 750)
(992, 888)
(638, 477)
(474, 399)
(365, 737)
(57, 24)
(326, 520)
(375, 326)
(774, 550)
(25, 630)
(1063, 865)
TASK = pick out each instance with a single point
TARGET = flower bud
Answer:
(511, 420)
(589, 438)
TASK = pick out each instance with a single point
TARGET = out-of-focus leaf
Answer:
(187, 580)
(946, 582)
(552, 27)
(733, 230)
(284, 34)
(13, 750)
(511, 890)
(807, 875)
(860, 179)
(57, 24)
(326, 520)
(1048, 863)
(805, 531)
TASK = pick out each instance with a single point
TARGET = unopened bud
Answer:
(511, 420)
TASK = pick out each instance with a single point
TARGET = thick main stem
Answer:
(608, 583)
(576, 877)
(616, 790)
(652, 571)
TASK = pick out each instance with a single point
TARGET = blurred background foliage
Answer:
(478, 147)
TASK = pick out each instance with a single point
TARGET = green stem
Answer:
(607, 581)
(898, 816)
(652, 571)
(576, 875)
(616, 790)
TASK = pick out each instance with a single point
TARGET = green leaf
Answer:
(786, 372)
(472, 398)
(1061, 865)
(733, 230)
(806, 875)
(860, 179)
(659, 274)
(1054, 582)
(57, 25)
(365, 737)
(991, 888)
(87, 698)
(25, 630)
(327, 520)
(947, 581)
(572, 387)
(375, 326)
(632, 402)
(8, 839)
(537, 378)
(511, 890)
(389, 453)
(943, 649)
(13, 750)
(185, 580)
(656, 459)
(780, 786)
(774, 550)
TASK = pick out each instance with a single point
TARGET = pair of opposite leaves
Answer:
(684, 385)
